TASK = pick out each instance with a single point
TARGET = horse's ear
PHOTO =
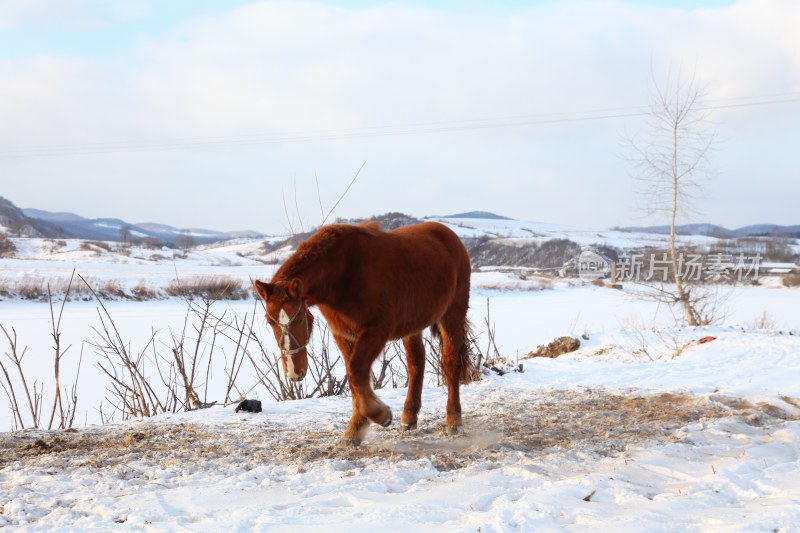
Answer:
(294, 289)
(264, 290)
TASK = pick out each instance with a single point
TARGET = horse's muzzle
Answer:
(297, 377)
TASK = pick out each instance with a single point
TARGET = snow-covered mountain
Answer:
(64, 225)
(754, 230)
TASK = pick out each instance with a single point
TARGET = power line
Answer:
(378, 131)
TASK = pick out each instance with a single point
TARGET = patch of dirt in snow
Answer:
(535, 423)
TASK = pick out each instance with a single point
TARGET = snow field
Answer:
(568, 444)
(620, 435)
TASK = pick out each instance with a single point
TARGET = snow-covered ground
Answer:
(706, 441)
(520, 230)
(620, 435)
(641, 429)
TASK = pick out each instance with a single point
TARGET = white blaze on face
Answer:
(284, 320)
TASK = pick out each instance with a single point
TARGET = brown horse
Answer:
(372, 287)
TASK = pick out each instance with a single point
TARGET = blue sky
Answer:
(220, 104)
(75, 28)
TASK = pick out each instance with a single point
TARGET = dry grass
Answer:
(142, 291)
(525, 283)
(559, 346)
(209, 288)
(36, 288)
(7, 247)
(534, 423)
(792, 280)
(54, 246)
(98, 247)
(764, 321)
(200, 287)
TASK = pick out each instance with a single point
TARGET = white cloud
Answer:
(23, 14)
(278, 67)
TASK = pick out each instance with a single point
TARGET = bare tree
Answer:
(125, 234)
(671, 166)
(186, 242)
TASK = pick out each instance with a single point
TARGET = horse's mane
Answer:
(320, 243)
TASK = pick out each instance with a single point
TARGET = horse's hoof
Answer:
(453, 430)
(355, 442)
(388, 420)
(408, 427)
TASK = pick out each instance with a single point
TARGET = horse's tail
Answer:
(469, 371)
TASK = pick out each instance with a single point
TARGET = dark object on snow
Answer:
(249, 406)
(500, 371)
(558, 347)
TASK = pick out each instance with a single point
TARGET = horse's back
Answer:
(433, 242)
(420, 271)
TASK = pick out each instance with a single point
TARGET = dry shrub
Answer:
(5, 289)
(31, 288)
(765, 321)
(7, 247)
(524, 284)
(95, 246)
(792, 280)
(55, 246)
(151, 243)
(110, 290)
(37, 288)
(560, 346)
(209, 288)
(556, 253)
(142, 291)
(779, 250)
(485, 251)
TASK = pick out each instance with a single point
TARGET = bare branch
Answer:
(352, 181)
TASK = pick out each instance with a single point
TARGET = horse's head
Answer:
(288, 315)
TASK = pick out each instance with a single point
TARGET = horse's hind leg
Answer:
(454, 332)
(415, 361)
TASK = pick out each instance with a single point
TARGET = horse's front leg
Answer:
(366, 405)
(357, 426)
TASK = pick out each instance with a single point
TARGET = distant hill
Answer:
(15, 222)
(478, 214)
(712, 230)
(769, 230)
(52, 217)
(63, 225)
(389, 221)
